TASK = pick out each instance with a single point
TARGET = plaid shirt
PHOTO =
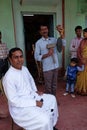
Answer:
(3, 51)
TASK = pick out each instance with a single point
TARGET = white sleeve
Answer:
(80, 68)
(37, 53)
(13, 98)
(32, 82)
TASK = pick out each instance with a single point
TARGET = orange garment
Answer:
(81, 84)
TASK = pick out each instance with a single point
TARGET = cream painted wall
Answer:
(6, 23)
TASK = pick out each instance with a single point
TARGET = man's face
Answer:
(44, 31)
(79, 32)
(17, 59)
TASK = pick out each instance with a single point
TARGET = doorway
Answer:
(31, 32)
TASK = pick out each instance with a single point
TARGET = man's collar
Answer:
(78, 38)
(44, 39)
(15, 68)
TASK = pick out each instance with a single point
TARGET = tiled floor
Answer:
(73, 112)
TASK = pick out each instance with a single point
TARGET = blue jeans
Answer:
(70, 87)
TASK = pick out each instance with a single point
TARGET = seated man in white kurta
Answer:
(25, 104)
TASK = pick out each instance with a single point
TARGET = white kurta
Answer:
(20, 90)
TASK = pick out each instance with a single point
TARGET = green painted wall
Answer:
(18, 10)
(72, 18)
(74, 15)
(6, 23)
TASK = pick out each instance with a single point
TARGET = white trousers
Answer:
(36, 118)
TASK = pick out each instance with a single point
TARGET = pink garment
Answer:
(74, 46)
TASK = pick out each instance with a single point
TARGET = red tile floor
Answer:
(72, 111)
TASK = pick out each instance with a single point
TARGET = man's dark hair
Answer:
(0, 33)
(78, 27)
(74, 60)
(13, 50)
(43, 24)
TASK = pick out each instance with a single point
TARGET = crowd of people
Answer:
(28, 107)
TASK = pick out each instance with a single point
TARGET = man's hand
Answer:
(39, 93)
(39, 103)
(50, 52)
(60, 29)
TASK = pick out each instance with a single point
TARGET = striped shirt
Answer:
(3, 51)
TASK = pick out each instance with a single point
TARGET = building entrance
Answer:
(31, 31)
